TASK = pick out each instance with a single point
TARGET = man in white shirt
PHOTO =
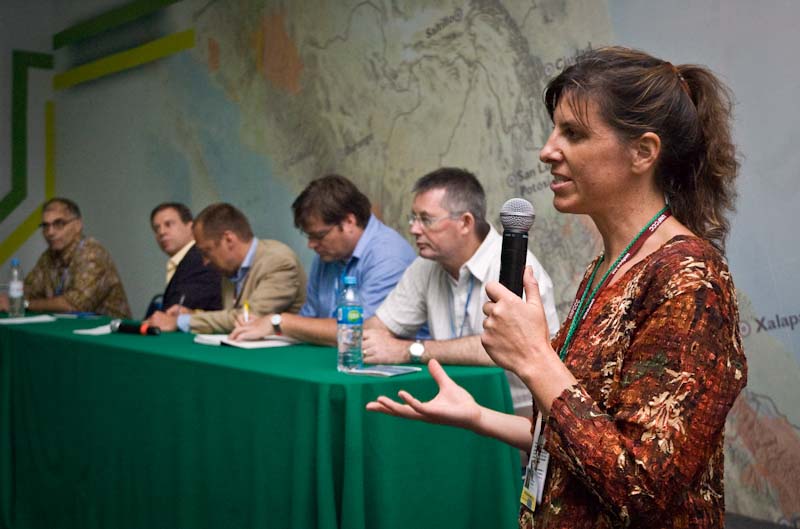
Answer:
(444, 287)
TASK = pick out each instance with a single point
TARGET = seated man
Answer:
(349, 241)
(261, 277)
(190, 282)
(75, 273)
(459, 253)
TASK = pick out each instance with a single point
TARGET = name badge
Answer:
(536, 471)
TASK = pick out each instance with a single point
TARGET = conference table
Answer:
(125, 431)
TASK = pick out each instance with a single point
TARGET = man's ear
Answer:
(349, 221)
(645, 150)
(469, 221)
(228, 238)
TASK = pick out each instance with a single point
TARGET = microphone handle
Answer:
(512, 260)
(134, 327)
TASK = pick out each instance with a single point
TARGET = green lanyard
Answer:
(580, 309)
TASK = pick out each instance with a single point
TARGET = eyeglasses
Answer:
(317, 237)
(426, 221)
(57, 224)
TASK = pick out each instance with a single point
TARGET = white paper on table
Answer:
(95, 331)
(222, 339)
(209, 339)
(266, 341)
(383, 370)
(42, 318)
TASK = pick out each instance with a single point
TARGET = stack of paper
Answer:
(222, 339)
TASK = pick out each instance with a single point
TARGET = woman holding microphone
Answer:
(633, 392)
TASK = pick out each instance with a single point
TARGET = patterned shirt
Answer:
(84, 274)
(638, 442)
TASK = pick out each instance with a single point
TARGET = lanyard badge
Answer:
(536, 471)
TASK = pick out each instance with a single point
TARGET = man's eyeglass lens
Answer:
(424, 220)
(319, 235)
(57, 224)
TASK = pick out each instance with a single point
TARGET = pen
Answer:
(180, 301)
(246, 311)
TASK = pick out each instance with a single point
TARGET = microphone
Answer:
(134, 327)
(516, 216)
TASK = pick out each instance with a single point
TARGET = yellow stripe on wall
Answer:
(18, 237)
(125, 60)
(49, 150)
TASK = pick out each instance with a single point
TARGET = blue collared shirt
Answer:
(238, 279)
(241, 274)
(378, 261)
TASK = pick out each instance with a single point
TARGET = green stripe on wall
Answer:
(109, 20)
(21, 61)
(125, 60)
(30, 225)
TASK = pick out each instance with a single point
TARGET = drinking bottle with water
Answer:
(350, 321)
(16, 295)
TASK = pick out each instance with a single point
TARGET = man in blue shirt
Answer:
(349, 241)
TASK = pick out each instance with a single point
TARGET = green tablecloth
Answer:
(158, 432)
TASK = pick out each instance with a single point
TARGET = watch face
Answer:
(276, 319)
(416, 349)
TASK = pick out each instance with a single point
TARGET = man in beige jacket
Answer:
(259, 277)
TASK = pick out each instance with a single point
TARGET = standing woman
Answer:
(634, 390)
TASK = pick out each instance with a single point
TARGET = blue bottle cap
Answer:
(350, 280)
(14, 261)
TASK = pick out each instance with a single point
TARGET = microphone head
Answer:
(517, 215)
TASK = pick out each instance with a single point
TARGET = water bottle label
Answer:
(15, 289)
(350, 314)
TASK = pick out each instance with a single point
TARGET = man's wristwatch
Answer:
(415, 351)
(276, 324)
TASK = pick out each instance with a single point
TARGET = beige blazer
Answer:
(276, 282)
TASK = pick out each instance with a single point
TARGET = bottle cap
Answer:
(14, 261)
(350, 280)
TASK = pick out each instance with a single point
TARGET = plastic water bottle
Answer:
(16, 296)
(350, 321)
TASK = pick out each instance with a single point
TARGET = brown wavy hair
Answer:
(687, 106)
(331, 198)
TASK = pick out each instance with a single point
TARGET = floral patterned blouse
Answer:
(638, 442)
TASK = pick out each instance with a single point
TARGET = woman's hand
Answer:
(516, 337)
(452, 406)
(514, 329)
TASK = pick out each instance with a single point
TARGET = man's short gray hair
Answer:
(463, 193)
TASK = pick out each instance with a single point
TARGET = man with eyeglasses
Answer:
(75, 273)
(459, 252)
(348, 240)
(260, 276)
